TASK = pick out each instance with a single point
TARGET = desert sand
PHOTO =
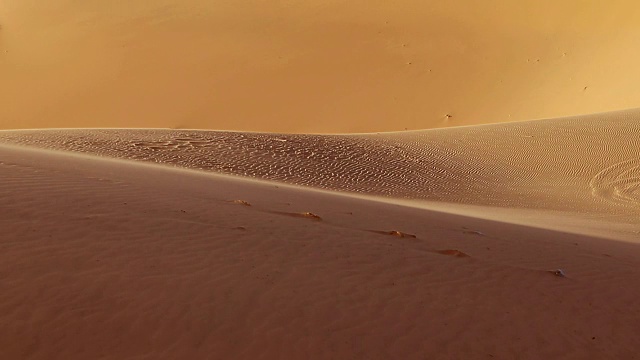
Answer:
(315, 65)
(507, 241)
(319, 179)
(584, 167)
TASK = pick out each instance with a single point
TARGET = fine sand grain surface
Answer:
(505, 241)
(586, 166)
(313, 65)
(373, 185)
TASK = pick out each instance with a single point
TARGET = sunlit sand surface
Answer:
(313, 65)
(183, 244)
(105, 258)
(588, 165)
(373, 183)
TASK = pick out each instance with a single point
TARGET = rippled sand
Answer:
(105, 258)
(586, 165)
(508, 240)
(392, 245)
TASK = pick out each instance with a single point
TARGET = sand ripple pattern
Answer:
(619, 183)
(348, 163)
(585, 164)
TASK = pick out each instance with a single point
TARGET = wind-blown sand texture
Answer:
(313, 65)
(587, 165)
(370, 191)
(438, 244)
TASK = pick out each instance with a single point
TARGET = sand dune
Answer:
(313, 66)
(106, 258)
(366, 191)
(587, 166)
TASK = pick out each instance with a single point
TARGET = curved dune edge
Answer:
(117, 259)
(579, 174)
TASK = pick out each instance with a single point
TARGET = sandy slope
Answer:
(430, 244)
(538, 172)
(313, 65)
(111, 259)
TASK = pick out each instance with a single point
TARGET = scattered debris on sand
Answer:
(558, 273)
(453, 252)
(310, 215)
(400, 234)
(306, 214)
(394, 233)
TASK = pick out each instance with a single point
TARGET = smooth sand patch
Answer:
(313, 66)
(112, 259)
(508, 240)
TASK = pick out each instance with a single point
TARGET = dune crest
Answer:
(252, 179)
(114, 259)
(585, 167)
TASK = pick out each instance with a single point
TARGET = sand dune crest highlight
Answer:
(96, 249)
(249, 179)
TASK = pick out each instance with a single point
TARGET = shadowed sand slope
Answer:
(588, 165)
(313, 65)
(110, 259)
